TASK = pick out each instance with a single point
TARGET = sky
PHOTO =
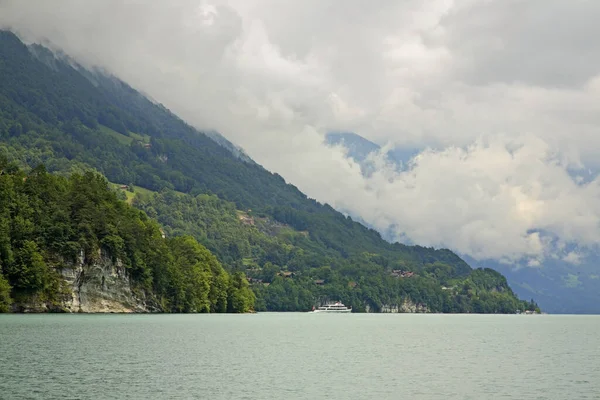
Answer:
(501, 97)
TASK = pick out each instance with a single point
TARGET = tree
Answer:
(5, 300)
(240, 298)
(28, 272)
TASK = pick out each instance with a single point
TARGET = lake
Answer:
(299, 356)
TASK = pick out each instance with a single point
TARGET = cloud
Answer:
(502, 98)
(498, 198)
(573, 258)
(548, 43)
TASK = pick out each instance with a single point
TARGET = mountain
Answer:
(358, 147)
(360, 150)
(295, 251)
(558, 286)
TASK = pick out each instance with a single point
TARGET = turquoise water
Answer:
(299, 356)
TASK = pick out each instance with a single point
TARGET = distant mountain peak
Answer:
(358, 147)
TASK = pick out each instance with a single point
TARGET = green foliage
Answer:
(50, 219)
(264, 248)
(239, 296)
(201, 280)
(5, 299)
(28, 271)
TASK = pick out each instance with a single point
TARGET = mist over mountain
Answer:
(188, 222)
(560, 286)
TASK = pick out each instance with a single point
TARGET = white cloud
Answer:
(573, 258)
(512, 106)
(498, 198)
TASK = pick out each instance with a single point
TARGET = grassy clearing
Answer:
(140, 138)
(124, 140)
(130, 195)
(136, 190)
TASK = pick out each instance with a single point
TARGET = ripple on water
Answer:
(298, 356)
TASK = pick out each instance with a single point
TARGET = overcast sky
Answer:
(503, 98)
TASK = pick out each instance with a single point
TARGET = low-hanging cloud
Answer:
(505, 108)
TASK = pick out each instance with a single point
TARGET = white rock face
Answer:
(100, 286)
(407, 306)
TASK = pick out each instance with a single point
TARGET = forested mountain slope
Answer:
(73, 120)
(47, 222)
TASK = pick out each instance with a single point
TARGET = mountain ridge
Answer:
(58, 117)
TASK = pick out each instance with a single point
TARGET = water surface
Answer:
(299, 356)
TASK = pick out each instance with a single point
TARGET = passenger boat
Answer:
(337, 307)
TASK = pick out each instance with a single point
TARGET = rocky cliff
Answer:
(100, 285)
(407, 306)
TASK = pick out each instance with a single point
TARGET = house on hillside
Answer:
(247, 220)
(398, 273)
(287, 274)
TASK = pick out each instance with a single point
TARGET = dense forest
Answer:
(47, 220)
(295, 251)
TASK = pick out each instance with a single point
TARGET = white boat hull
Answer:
(337, 307)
